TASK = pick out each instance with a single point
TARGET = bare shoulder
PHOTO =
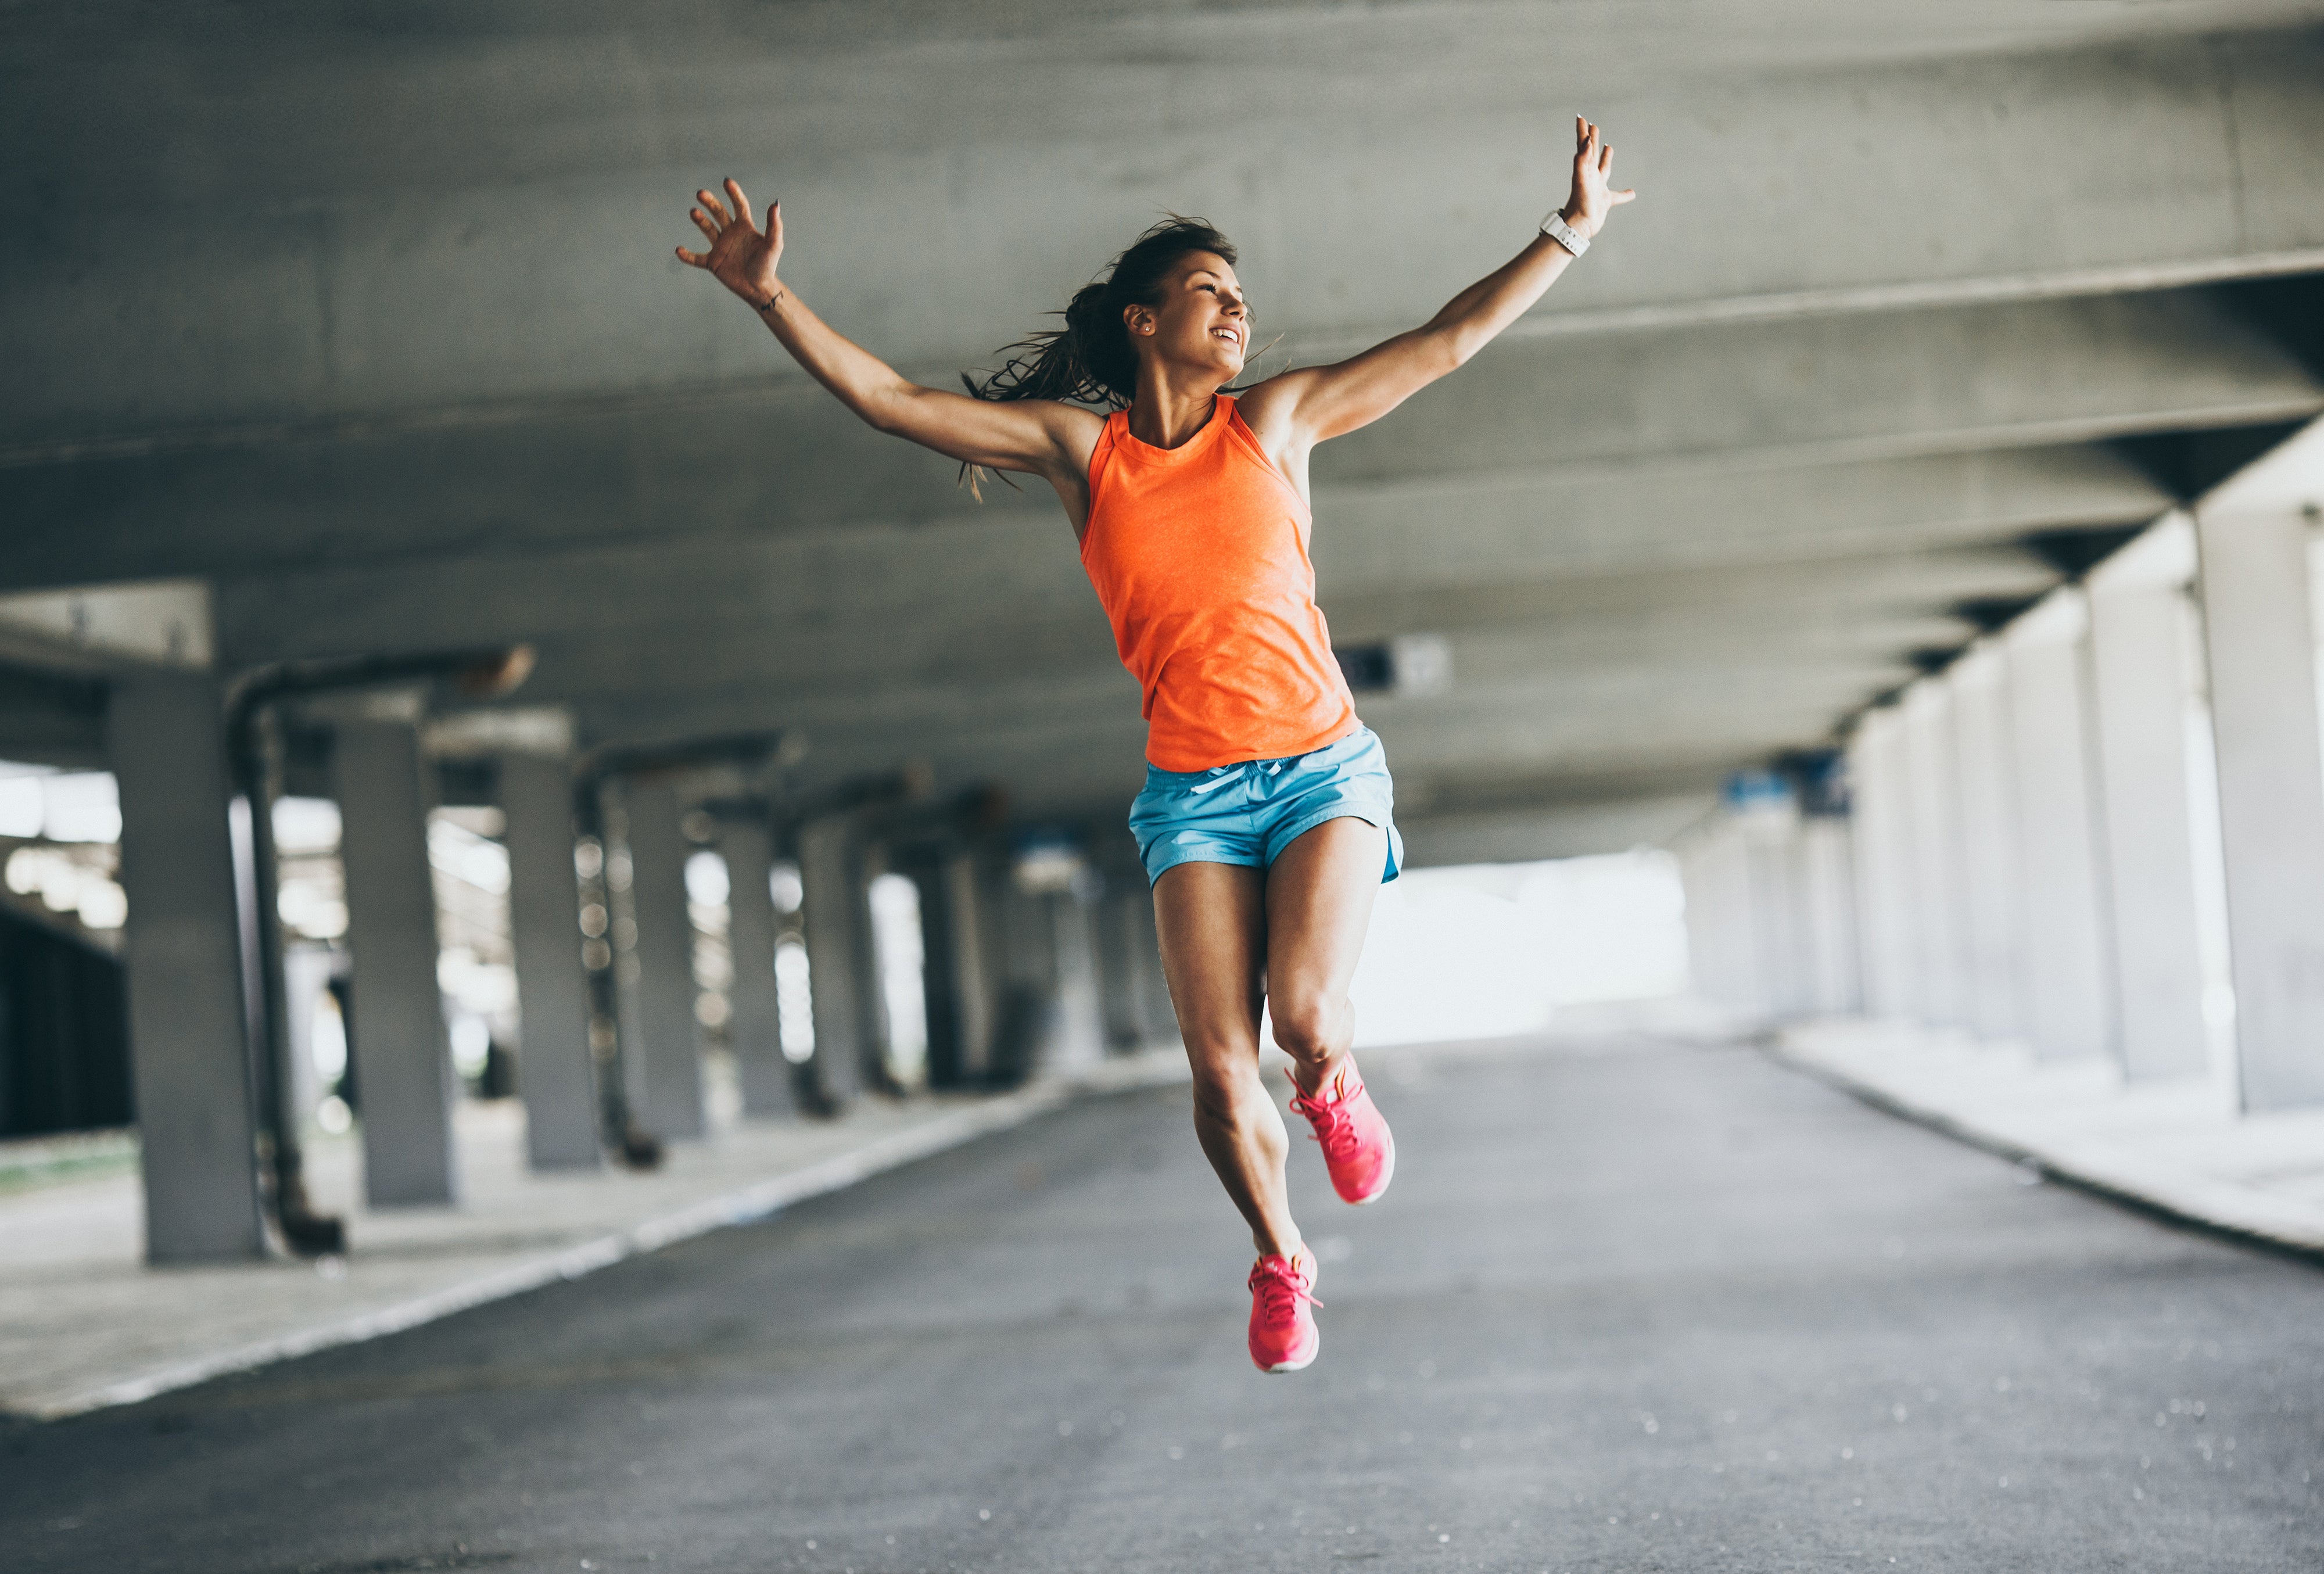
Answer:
(1270, 409)
(1074, 429)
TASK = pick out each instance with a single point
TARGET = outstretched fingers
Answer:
(742, 203)
(717, 208)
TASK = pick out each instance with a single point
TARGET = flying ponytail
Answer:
(1089, 361)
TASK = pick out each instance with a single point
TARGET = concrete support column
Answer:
(557, 1076)
(1081, 1007)
(2259, 628)
(1824, 886)
(970, 964)
(1161, 1012)
(1885, 909)
(1124, 959)
(2067, 987)
(1772, 917)
(403, 1059)
(838, 952)
(1933, 785)
(1983, 762)
(190, 1056)
(1719, 931)
(755, 1028)
(2138, 638)
(667, 1043)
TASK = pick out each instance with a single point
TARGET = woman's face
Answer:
(1202, 320)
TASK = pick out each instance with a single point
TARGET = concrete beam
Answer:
(1553, 439)
(439, 268)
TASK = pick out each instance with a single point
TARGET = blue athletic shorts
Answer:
(1248, 814)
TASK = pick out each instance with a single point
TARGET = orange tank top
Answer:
(1198, 554)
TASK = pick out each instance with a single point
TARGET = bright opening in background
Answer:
(1485, 950)
(896, 942)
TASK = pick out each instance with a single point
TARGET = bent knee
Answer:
(1224, 1084)
(1305, 1025)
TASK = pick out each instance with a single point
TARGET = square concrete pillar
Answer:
(1123, 962)
(558, 1075)
(970, 962)
(838, 954)
(1986, 768)
(1938, 853)
(2067, 983)
(755, 1028)
(667, 1046)
(2259, 628)
(1769, 848)
(189, 1055)
(2140, 628)
(1161, 1011)
(402, 1055)
(1721, 937)
(1886, 912)
(1079, 1040)
(1824, 883)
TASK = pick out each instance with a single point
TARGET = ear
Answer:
(1140, 320)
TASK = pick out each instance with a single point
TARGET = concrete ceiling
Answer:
(371, 322)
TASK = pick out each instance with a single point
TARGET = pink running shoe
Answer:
(1358, 1148)
(1283, 1336)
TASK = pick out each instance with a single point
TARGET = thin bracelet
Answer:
(771, 300)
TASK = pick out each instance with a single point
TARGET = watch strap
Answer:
(1555, 227)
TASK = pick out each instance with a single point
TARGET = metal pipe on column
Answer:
(483, 673)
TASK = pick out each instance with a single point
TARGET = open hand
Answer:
(1593, 165)
(740, 257)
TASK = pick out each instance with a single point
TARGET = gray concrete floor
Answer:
(1631, 1305)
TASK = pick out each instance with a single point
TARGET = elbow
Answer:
(886, 410)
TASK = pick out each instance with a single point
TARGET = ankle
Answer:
(1312, 1079)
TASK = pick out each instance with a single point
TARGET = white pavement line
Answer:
(745, 1206)
(2208, 1203)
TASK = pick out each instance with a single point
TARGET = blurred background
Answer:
(461, 685)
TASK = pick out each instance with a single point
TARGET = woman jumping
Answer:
(1264, 824)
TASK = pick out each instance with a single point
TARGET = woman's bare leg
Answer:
(1319, 902)
(1213, 921)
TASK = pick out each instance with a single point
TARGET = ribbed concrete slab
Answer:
(1632, 1305)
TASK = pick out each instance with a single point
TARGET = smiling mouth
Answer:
(1230, 335)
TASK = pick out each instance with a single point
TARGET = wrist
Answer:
(763, 300)
(1581, 223)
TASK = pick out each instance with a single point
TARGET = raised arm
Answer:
(1037, 437)
(1312, 403)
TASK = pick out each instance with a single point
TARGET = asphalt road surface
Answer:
(1633, 1306)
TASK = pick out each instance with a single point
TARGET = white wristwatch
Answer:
(1555, 227)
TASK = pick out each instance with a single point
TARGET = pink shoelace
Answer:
(1280, 1287)
(1333, 1126)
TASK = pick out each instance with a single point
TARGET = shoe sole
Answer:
(1381, 1190)
(1281, 1366)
